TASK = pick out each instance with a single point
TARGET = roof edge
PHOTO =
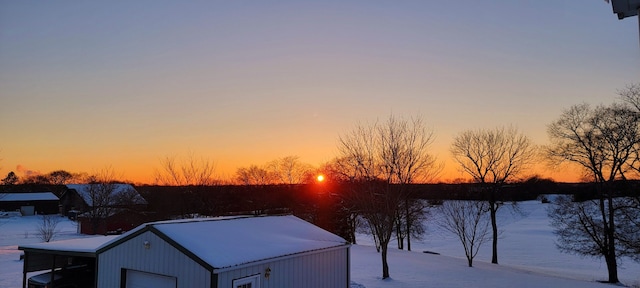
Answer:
(149, 227)
(58, 252)
(123, 238)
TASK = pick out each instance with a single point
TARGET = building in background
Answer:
(30, 203)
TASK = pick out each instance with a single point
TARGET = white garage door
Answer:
(137, 279)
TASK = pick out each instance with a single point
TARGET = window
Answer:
(247, 282)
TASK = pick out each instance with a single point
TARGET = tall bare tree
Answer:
(493, 158)
(631, 96)
(631, 241)
(468, 221)
(407, 159)
(187, 171)
(601, 141)
(105, 195)
(383, 158)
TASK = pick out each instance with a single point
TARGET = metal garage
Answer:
(256, 252)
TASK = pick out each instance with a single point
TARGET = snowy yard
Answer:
(527, 254)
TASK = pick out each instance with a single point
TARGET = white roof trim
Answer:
(79, 245)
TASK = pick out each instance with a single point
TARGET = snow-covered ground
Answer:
(16, 230)
(527, 253)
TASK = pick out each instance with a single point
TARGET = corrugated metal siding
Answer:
(322, 269)
(161, 258)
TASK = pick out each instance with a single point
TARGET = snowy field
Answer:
(527, 254)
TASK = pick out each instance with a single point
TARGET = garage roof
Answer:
(233, 241)
(79, 246)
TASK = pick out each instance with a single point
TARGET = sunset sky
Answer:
(90, 84)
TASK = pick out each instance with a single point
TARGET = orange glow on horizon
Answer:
(141, 169)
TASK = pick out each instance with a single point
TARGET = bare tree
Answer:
(286, 170)
(60, 177)
(628, 234)
(105, 196)
(631, 215)
(342, 169)
(382, 158)
(468, 221)
(409, 223)
(493, 158)
(188, 171)
(631, 95)
(601, 141)
(36, 179)
(11, 179)
(254, 175)
(379, 205)
(358, 148)
(46, 229)
(580, 230)
(289, 170)
(100, 193)
(406, 160)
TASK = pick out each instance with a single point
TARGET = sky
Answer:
(124, 84)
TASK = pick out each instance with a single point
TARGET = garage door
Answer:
(138, 279)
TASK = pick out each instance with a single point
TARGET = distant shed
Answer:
(256, 252)
(29, 203)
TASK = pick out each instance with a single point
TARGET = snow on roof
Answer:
(118, 190)
(232, 241)
(220, 242)
(82, 245)
(35, 196)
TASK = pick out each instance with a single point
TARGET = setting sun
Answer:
(320, 178)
